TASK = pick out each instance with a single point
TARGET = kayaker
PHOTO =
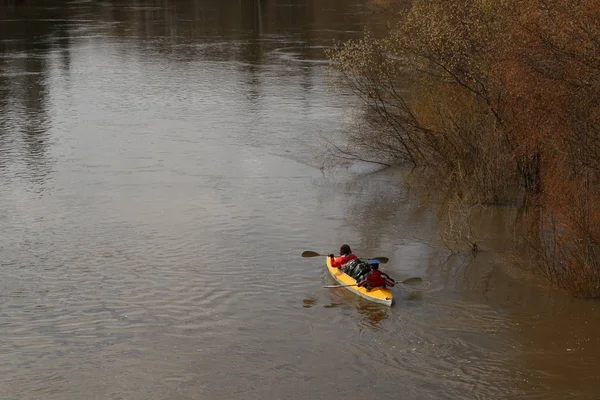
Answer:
(345, 256)
(376, 278)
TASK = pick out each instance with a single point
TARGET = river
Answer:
(159, 181)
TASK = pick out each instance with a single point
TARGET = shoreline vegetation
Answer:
(485, 99)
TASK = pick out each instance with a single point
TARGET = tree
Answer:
(490, 95)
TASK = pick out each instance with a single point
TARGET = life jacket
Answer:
(337, 262)
(376, 279)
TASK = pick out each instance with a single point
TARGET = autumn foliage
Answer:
(493, 96)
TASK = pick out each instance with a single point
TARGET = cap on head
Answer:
(345, 250)
(374, 264)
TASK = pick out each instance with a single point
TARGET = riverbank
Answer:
(489, 99)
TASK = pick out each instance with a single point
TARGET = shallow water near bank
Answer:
(159, 183)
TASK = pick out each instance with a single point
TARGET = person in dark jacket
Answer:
(345, 256)
(376, 278)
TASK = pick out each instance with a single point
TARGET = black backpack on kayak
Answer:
(363, 272)
(349, 267)
(356, 269)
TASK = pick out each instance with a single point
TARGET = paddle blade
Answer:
(309, 253)
(411, 281)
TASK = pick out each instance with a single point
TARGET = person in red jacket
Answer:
(376, 278)
(345, 256)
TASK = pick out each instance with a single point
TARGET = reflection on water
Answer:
(308, 303)
(24, 119)
(158, 185)
(372, 314)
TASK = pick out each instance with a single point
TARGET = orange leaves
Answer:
(490, 94)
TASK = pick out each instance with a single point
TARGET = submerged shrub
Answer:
(489, 96)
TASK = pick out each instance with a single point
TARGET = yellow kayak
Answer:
(377, 295)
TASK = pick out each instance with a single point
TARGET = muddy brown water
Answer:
(158, 185)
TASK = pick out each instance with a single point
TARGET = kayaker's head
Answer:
(345, 250)
(374, 264)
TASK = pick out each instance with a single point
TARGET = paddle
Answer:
(406, 282)
(309, 253)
